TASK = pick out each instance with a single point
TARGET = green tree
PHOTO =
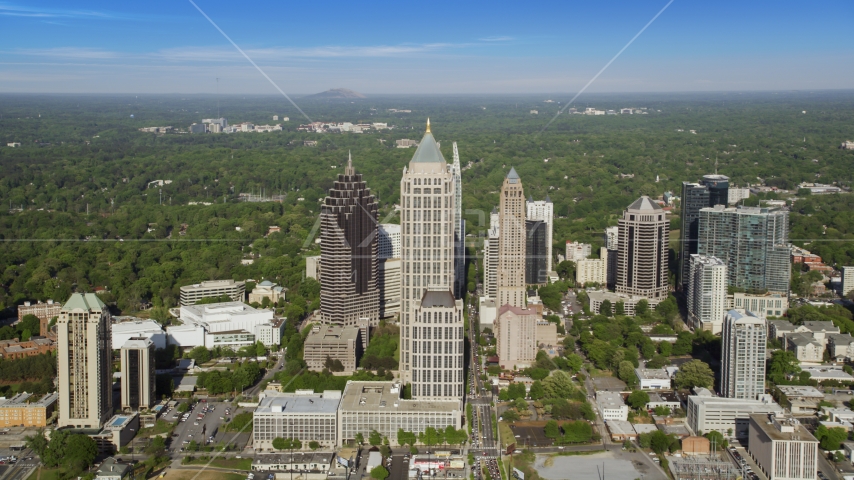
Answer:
(626, 372)
(638, 399)
(620, 308)
(665, 348)
(360, 439)
(783, 363)
(260, 349)
(379, 473)
(642, 307)
(716, 438)
(574, 362)
(375, 438)
(695, 373)
(537, 391)
(510, 416)
(558, 385)
(200, 354)
(552, 429)
(183, 407)
(314, 445)
(605, 308)
(830, 438)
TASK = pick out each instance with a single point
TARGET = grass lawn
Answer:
(160, 427)
(183, 474)
(233, 463)
(45, 474)
(506, 434)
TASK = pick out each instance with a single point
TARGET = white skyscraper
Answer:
(612, 237)
(459, 227)
(544, 210)
(743, 355)
(706, 293)
(389, 240)
(431, 319)
(490, 258)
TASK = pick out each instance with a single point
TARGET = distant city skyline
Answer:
(435, 48)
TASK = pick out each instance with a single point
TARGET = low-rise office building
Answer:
(44, 311)
(122, 331)
(367, 406)
(805, 347)
(763, 305)
(629, 301)
(840, 346)
(116, 433)
(112, 469)
(334, 342)
(729, 416)
(612, 406)
(546, 334)
(22, 411)
(307, 463)
(14, 350)
(652, 378)
(190, 294)
(269, 290)
(270, 333)
(782, 447)
(305, 415)
(801, 399)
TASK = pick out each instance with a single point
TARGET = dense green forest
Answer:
(82, 214)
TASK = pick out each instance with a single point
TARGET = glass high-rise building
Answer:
(349, 252)
(752, 241)
(536, 264)
(711, 190)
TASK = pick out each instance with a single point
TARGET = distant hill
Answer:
(337, 93)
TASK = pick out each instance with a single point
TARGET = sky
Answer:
(424, 47)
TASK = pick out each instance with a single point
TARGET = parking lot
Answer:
(200, 430)
(530, 435)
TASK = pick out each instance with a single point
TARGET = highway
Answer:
(22, 469)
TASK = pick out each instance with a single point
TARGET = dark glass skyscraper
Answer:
(536, 252)
(711, 190)
(348, 252)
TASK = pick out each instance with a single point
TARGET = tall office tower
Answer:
(707, 293)
(511, 242)
(515, 337)
(348, 252)
(643, 246)
(490, 258)
(388, 241)
(536, 252)
(544, 210)
(84, 360)
(744, 338)
(427, 237)
(459, 227)
(437, 346)
(711, 190)
(752, 241)
(138, 383)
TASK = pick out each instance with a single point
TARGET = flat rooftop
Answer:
(377, 396)
(796, 391)
(608, 399)
(332, 334)
(136, 326)
(213, 284)
(781, 428)
(326, 402)
(286, 458)
(23, 400)
(652, 374)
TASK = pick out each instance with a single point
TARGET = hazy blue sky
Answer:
(160, 46)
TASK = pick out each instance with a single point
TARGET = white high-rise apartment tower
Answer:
(743, 355)
(544, 210)
(388, 245)
(459, 227)
(706, 293)
(431, 319)
(511, 243)
(84, 357)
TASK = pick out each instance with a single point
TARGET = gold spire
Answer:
(428, 125)
(349, 169)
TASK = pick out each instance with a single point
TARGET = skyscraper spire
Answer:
(428, 125)
(349, 170)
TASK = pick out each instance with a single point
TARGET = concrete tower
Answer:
(429, 313)
(84, 360)
(459, 227)
(138, 380)
(743, 355)
(348, 252)
(511, 242)
(643, 246)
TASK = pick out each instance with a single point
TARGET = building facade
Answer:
(348, 252)
(729, 416)
(44, 311)
(333, 342)
(427, 262)
(847, 280)
(84, 361)
(138, 383)
(643, 249)
(782, 447)
(752, 241)
(269, 290)
(437, 347)
(744, 338)
(305, 415)
(536, 254)
(764, 305)
(577, 251)
(190, 294)
(515, 331)
(706, 293)
(543, 210)
(711, 190)
(459, 227)
(490, 258)
(389, 283)
(22, 410)
(511, 243)
(388, 245)
(593, 270)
